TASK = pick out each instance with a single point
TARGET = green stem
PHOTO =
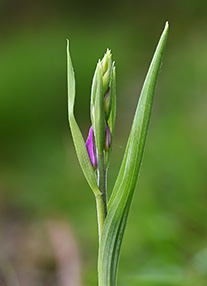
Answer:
(100, 213)
(101, 200)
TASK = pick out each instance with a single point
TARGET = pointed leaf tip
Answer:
(166, 28)
(68, 43)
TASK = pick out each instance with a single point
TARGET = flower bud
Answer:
(107, 138)
(101, 102)
(107, 104)
(91, 149)
(97, 109)
(106, 64)
(105, 61)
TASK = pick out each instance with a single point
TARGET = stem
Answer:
(101, 200)
(100, 213)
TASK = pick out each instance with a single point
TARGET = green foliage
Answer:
(39, 173)
(111, 229)
(121, 197)
(76, 133)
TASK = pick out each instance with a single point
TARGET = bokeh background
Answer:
(40, 179)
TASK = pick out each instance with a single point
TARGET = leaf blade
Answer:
(78, 140)
(122, 194)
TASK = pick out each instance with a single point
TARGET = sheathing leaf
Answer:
(78, 140)
(120, 201)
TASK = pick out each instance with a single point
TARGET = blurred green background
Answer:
(166, 236)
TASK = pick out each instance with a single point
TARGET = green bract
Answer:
(112, 216)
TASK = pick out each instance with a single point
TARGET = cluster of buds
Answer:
(102, 94)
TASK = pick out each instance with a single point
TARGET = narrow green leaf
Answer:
(78, 140)
(122, 194)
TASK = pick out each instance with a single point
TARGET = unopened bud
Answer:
(107, 104)
(108, 98)
(97, 108)
(105, 61)
(91, 149)
(106, 64)
(107, 138)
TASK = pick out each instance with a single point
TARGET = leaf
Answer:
(78, 140)
(120, 201)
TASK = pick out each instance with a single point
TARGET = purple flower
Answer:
(91, 149)
(107, 137)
